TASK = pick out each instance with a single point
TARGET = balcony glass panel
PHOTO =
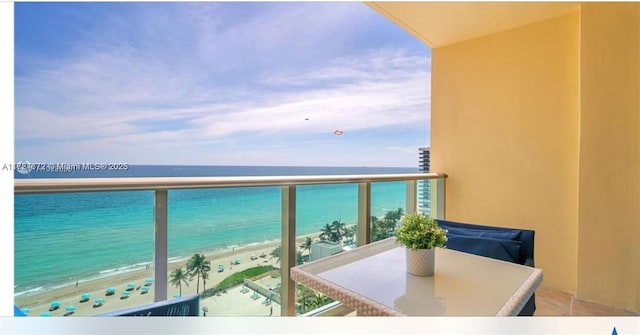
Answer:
(70, 248)
(232, 237)
(388, 204)
(326, 224)
(327, 212)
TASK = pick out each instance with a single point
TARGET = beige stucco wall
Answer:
(539, 127)
(504, 120)
(609, 196)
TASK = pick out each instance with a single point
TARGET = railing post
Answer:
(411, 196)
(364, 213)
(160, 210)
(437, 198)
(288, 251)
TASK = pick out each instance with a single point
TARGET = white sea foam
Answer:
(28, 292)
(143, 264)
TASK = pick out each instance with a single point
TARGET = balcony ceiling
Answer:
(442, 23)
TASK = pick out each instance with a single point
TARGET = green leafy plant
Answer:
(420, 231)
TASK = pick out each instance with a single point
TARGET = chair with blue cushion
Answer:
(506, 244)
(181, 306)
(17, 311)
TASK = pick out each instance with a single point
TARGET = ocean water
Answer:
(64, 238)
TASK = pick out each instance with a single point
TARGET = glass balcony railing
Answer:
(89, 246)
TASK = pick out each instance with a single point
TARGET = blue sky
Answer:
(218, 84)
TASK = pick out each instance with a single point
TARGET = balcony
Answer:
(267, 291)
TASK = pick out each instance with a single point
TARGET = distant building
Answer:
(321, 249)
(424, 186)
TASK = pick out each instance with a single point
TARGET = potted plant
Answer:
(420, 235)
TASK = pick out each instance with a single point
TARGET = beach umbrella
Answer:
(55, 304)
(45, 314)
(131, 285)
(126, 293)
(176, 295)
(99, 301)
(148, 281)
(85, 296)
(145, 288)
(111, 290)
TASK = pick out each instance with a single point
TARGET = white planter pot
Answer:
(421, 262)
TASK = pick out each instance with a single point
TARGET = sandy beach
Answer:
(70, 295)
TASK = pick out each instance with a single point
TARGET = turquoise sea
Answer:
(64, 238)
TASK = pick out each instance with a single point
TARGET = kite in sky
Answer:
(338, 132)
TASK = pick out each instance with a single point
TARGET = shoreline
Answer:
(70, 294)
(137, 266)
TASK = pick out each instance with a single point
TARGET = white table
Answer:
(373, 281)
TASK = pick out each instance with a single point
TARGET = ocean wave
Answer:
(114, 272)
(143, 264)
(126, 268)
(108, 271)
(28, 292)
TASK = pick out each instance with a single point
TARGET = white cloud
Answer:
(216, 87)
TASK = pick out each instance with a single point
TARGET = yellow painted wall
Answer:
(609, 197)
(504, 120)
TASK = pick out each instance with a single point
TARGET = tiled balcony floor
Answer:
(550, 302)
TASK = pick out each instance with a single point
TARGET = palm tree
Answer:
(304, 294)
(196, 266)
(276, 253)
(299, 257)
(205, 276)
(391, 219)
(178, 276)
(378, 231)
(338, 228)
(394, 215)
(350, 233)
(326, 233)
(306, 244)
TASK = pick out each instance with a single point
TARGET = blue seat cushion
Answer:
(17, 311)
(513, 235)
(502, 249)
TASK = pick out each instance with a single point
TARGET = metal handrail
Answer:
(63, 185)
